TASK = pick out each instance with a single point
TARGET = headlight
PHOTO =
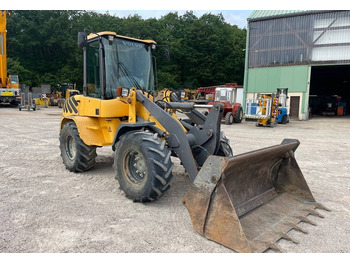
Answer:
(122, 91)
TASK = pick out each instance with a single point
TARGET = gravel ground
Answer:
(45, 208)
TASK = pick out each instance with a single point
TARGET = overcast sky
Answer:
(233, 17)
(234, 12)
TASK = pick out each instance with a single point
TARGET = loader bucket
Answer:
(249, 201)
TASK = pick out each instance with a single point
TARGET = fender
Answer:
(94, 131)
(235, 108)
(123, 128)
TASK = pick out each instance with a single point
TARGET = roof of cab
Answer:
(94, 35)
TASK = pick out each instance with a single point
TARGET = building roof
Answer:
(266, 14)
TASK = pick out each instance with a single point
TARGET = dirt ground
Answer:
(45, 208)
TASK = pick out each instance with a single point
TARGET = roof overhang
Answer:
(106, 33)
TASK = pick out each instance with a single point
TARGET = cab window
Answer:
(93, 70)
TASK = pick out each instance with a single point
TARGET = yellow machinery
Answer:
(182, 95)
(269, 107)
(264, 108)
(191, 94)
(42, 101)
(66, 95)
(9, 85)
(245, 202)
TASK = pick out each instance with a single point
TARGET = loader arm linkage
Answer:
(206, 137)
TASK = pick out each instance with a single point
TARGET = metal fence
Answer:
(258, 108)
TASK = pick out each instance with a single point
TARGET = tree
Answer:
(42, 46)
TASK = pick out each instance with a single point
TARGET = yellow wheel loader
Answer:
(65, 94)
(245, 202)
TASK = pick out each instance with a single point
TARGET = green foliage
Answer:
(42, 46)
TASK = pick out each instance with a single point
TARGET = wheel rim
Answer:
(71, 148)
(240, 114)
(134, 167)
(231, 119)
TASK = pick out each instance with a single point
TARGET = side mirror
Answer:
(82, 39)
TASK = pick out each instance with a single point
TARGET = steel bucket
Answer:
(248, 202)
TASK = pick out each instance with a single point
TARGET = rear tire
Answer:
(143, 166)
(229, 118)
(76, 155)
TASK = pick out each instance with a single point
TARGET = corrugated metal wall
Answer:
(300, 40)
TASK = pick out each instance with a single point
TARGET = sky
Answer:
(233, 17)
(235, 12)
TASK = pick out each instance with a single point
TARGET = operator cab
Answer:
(112, 61)
(225, 94)
(13, 79)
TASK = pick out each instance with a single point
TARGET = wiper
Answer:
(131, 78)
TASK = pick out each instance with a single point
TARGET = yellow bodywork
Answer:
(93, 35)
(71, 91)
(5, 81)
(190, 94)
(3, 62)
(42, 101)
(98, 120)
(7, 93)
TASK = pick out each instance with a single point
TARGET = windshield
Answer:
(128, 64)
(223, 95)
(14, 79)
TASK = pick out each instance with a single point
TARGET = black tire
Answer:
(225, 148)
(272, 125)
(143, 166)
(285, 119)
(229, 118)
(238, 115)
(76, 155)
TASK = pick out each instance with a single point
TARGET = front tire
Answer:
(76, 155)
(229, 118)
(225, 148)
(143, 166)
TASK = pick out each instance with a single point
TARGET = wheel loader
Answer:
(245, 202)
